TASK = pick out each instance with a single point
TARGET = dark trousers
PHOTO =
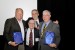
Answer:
(29, 48)
(35, 47)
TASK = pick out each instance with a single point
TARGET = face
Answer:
(19, 14)
(46, 16)
(31, 24)
(35, 15)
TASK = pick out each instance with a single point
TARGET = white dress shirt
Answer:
(22, 28)
(28, 35)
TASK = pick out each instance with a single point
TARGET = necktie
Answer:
(31, 39)
(44, 28)
(37, 24)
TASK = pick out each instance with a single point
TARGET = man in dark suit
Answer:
(15, 24)
(49, 26)
(31, 36)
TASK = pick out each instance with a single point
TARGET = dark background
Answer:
(63, 11)
(58, 11)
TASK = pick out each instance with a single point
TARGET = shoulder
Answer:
(36, 29)
(41, 23)
(23, 20)
(9, 19)
(56, 25)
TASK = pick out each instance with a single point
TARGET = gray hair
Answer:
(47, 12)
(35, 10)
(19, 9)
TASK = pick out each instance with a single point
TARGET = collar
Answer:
(47, 23)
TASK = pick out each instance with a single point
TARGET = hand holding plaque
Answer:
(18, 37)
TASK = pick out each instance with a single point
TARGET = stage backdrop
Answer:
(7, 9)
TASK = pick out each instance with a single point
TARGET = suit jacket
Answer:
(11, 25)
(36, 35)
(51, 27)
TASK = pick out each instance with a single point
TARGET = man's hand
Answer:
(12, 43)
(57, 22)
(53, 45)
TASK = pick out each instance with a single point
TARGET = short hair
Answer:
(19, 9)
(30, 18)
(46, 11)
(35, 10)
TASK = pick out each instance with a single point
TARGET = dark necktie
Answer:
(31, 39)
(44, 28)
(37, 24)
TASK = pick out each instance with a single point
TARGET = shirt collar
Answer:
(29, 29)
(18, 20)
(47, 23)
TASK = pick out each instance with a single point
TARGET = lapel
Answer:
(40, 27)
(16, 24)
(16, 21)
(49, 27)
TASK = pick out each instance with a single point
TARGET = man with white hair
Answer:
(49, 26)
